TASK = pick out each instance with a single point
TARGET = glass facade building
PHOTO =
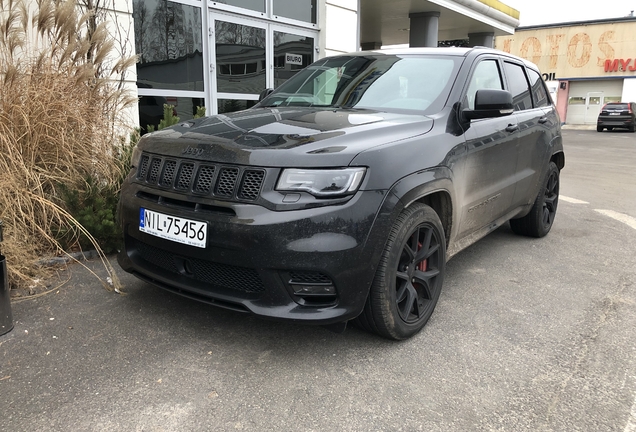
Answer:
(218, 54)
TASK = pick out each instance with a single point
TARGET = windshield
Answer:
(383, 82)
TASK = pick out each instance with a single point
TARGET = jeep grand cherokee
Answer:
(343, 193)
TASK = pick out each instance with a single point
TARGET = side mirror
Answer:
(264, 94)
(490, 103)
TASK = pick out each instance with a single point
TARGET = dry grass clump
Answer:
(61, 98)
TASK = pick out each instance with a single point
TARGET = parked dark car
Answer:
(342, 194)
(617, 115)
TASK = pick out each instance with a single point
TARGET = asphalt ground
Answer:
(528, 335)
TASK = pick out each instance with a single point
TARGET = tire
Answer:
(632, 128)
(408, 281)
(539, 221)
(599, 128)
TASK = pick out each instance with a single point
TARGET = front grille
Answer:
(251, 184)
(222, 275)
(169, 170)
(308, 277)
(205, 178)
(227, 181)
(185, 176)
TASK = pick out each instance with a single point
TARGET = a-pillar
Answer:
(486, 39)
(424, 29)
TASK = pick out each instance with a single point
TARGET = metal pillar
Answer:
(6, 319)
(424, 29)
(486, 39)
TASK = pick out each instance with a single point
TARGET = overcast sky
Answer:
(556, 11)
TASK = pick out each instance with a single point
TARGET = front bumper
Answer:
(255, 257)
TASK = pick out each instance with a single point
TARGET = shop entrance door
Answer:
(249, 55)
(593, 104)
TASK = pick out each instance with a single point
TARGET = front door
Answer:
(248, 56)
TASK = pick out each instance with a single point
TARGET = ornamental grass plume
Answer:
(61, 104)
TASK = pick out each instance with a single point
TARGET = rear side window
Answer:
(519, 88)
(539, 95)
(485, 76)
(615, 106)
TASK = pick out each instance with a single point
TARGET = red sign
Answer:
(620, 65)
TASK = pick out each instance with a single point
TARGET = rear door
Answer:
(534, 129)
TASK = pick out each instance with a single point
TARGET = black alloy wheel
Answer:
(410, 275)
(550, 199)
(415, 279)
(539, 221)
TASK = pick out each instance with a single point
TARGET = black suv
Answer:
(343, 193)
(617, 115)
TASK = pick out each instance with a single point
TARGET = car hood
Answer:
(283, 137)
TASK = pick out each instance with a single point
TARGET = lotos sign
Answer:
(577, 51)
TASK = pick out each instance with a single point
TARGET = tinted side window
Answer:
(518, 86)
(485, 76)
(539, 94)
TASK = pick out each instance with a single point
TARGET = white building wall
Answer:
(339, 29)
(629, 90)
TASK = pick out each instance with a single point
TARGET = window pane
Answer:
(255, 5)
(302, 10)
(385, 82)
(609, 99)
(240, 56)
(518, 86)
(168, 40)
(291, 54)
(231, 105)
(576, 101)
(539, 94)
(151, 109)
(486, 76)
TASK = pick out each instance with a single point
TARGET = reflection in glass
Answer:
(240, 58)
(168, 41)
(291, 54)
(384, 82)
(302, 10)
(255, 5)
(231, 105)
(151, 109)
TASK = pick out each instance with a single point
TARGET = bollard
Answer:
(6, 319)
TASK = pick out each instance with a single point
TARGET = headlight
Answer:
(321, 182)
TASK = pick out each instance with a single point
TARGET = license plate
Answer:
(614, 113)
(176, 229)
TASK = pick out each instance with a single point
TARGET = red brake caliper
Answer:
(421, 266)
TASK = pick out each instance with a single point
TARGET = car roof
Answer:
(448, 51)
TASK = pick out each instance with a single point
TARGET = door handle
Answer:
(543, 119)
(512, 128)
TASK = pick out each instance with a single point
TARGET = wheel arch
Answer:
(559, 159)
(433, 188)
